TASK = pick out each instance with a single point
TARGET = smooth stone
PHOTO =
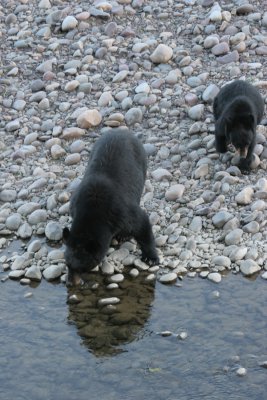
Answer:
(245, 196)
(37, 216)
(228, 58)
(16, 274)
(34, 273)
(108, 301)
(220, 218)
(196, 112)
(20, 262)
(249, 267)
(233, 237)
(161, 174)
(196, 224)
(133, 116)
(162, 54)
(120, 76)
(210, 93)
(89, 119)
(13, 222)
(8, 195)
(24, 231)
(251, 227)
(73, 159)
(214, 277)
(107, 268)
(117, 278)
(220, 49)
(53, 231)
(168, 278)
(241, 371)
(34, 246)
(222, 261)
(69, 23)
(52, 272)
(174, 192)
(13, 125)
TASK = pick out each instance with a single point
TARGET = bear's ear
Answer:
(66, 234)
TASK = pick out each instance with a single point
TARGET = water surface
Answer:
(51, 349)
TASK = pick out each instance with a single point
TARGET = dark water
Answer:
(50, 349)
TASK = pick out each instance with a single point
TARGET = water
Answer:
(51, 349)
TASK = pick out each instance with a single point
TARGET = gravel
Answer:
(71, 72)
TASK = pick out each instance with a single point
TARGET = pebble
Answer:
(108, 301)
(34, 273)
(174, 192)
(233, 237)
(162, 54)
(69, 23)
(222, 261)
(241, 371)
(53, 231)
(52, 272)
(13, 222)
(89, 119)
(249, 267)
(196, 112)
(245, 196)
(215, 277)
(168, 278)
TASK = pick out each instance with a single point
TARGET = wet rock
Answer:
(34, 273)
(249, 267)
(53, 272)
(215, 277)
(168, 278)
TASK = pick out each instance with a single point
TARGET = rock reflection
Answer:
(105, 329)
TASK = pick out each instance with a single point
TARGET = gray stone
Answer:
(162, 54)
(53, 231)
(215, 277)
(34, 273)
(52, 272)
(133, 116)
(249, 267)
(37, 216)
(13, 222)
(196, 112)
(168, 278)
(245, 196)
(220, 218)
(233, 237)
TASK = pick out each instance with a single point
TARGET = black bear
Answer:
(106, 204)
(238, 109)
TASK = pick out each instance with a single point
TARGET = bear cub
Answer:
(106, 204)
(238, 109)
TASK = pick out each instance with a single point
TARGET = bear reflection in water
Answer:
(104, 329)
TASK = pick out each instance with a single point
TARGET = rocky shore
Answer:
(69, 70)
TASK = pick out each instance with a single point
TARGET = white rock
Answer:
(249, 267)
(13, 222)
(233, 237)
(108, 300)
(117, 278)
(221, 261)
(69, 23)
(53, 231)
(245, 196)
(174, 192)
(107, 268)
(215, 277)
(168, 278)
(34, 273)
(241, 371)
(162, 54)
(52, 272)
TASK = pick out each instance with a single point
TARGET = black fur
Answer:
(106, 203)
(238, 109)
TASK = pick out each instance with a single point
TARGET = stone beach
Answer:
(71, 70)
